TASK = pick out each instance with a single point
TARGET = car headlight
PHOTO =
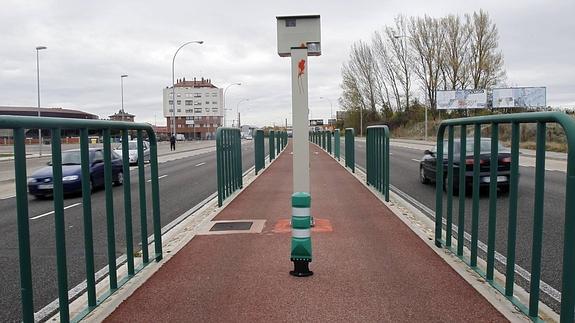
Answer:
(31, 180)
(70, 178)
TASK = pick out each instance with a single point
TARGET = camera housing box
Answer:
(299, 32)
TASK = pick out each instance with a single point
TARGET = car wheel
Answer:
(119, 179)
(422, 177)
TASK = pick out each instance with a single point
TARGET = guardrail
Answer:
(229, 162)
(336, 144)
(377, 158)
(271, 137)
(329, 136)
(19, 124)
(259, 148)
(279, 146)
(541, 119)
(350, 148)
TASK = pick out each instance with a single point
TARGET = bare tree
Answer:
(426, 38)
(454, 51)
(400, 55)
(387, 68)
(486, 61)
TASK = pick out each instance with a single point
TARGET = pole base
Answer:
(301, 268)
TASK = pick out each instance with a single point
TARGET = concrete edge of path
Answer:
(424, 228)
(174, 240)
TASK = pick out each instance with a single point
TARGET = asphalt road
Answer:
(184, 183)
(404, 168)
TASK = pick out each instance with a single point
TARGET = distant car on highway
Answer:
(427, 165)
(41, 182)
(133, 151)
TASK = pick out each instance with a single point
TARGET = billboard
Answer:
(461, 99)
(520, 97)
(315, 122)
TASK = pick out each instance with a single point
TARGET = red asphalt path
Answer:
(370, 268)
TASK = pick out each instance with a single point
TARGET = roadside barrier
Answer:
(271, 137)
(336, 144)
(350, 149)
(377, 157)
(229, 162)
(18, 125)
(278, 142)
(259, 148)
(541, 119)
(324, 140)
(328, 135)
(301, 234)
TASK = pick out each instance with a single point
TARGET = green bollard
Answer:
(301, 234)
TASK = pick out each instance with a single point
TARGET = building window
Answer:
(197, 95)
(179, 102)
(179, 110)
(171, 110)
(189, 102)
(198, 103)
(197, 110)
(178, 95)
(189, 111)
(214, 102)
(179, 126)
(207, 102)
(171, 102)
(214, 109)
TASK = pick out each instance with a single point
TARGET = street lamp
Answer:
(39, 48)
(406, 36)
(330, 108)
(225, 90)
(122, 85)
(174, 85)
(238, 111)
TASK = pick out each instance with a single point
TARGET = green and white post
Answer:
(298, 37)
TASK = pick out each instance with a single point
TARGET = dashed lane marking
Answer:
(159, 177)
(52, 212)
(200, 164)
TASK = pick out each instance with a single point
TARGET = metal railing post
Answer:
(350, 149)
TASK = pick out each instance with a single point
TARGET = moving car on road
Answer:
(133, 151)
(427, 165)
(41, 183)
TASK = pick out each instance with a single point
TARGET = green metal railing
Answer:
(541, 119)
(271, 137)
(377, 158)
(350, 148)
(278, 142)
(229, 162)
(259, 148)
(324, 140)
(329, 136)
(56, 125)
(336, 144)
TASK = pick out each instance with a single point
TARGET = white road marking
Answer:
(415, 160)
(200, 164)
(7, 197)
(159, 177)
(52, 212)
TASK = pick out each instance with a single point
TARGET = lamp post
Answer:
(403, 47)
(330, 108)
(238, 111)
(38, 49)
(225, 90)
(122, 85)
(174, 84)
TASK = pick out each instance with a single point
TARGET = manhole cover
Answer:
(229, 226)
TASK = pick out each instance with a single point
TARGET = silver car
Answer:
(133, 151)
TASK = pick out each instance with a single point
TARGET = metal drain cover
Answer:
(229, 226)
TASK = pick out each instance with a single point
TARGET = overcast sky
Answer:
(91, 43)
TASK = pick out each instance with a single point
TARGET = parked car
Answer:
(133, 151)
(427, 165)
(41, 184)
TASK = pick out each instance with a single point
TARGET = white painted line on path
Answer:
(159, 177)
(52, 212)
(415, 160)
(200, 164)
(7, 197)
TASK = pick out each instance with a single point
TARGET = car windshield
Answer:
(132, 145)
(485, 147)
(71, 158)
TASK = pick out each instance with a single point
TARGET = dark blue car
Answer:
(40, 183)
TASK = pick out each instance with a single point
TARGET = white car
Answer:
(133, 151)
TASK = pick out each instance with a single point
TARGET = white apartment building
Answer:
(199, 108)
